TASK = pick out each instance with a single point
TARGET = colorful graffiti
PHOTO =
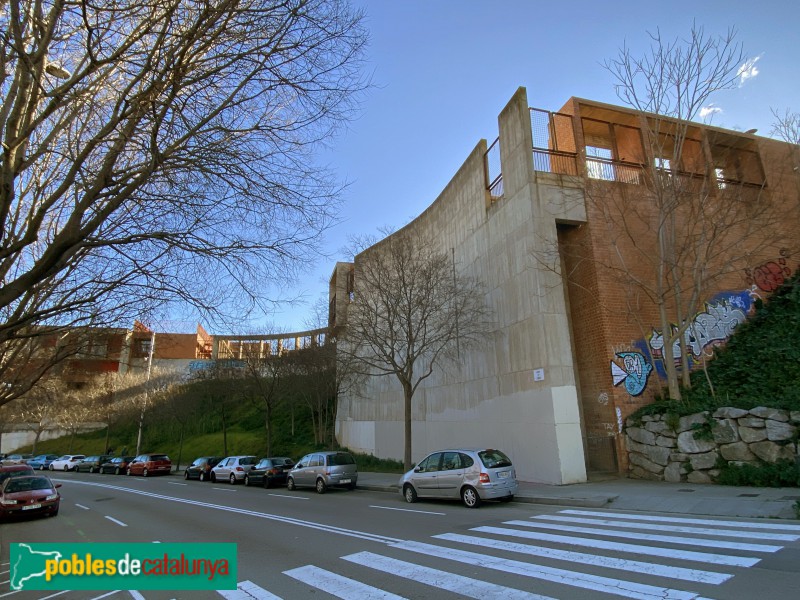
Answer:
(634, 371)
(771, 275)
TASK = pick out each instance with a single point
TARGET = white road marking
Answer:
(464, 586)
(338, 586)
(620, 587)
(176, 483)
(82, 506)
(778, 537)
(288, 496)
(273, 517)
(717, 559)
(713, 522)
(671, 539)
(106, 595)
(113, 520)
(54, 595)
(635, 566)
(411, 510)
(247, 590)
(223, 489)
(136, 595)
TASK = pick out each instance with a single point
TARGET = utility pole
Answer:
(146, 390)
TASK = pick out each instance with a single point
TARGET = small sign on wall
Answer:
(538, 374)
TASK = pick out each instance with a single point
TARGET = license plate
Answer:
(503, 474)
(31, 506)
(344, 481)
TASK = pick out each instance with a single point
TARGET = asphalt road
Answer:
(365, 544)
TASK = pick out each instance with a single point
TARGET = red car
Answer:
(28, 496)
(150, 464)
(20, 470)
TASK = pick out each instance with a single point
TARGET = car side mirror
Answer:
(298, 466)
(417, 469)
(58, 485)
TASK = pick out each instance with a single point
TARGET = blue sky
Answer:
(444, 69)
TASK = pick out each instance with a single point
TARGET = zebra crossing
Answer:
(626, 555)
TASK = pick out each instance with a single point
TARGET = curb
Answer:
(591, 502)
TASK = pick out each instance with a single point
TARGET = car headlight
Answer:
(52, 497)
(8, 502)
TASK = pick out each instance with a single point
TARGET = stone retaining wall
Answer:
(694, 449)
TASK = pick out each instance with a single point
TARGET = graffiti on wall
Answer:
(771, 275)
(634, 371)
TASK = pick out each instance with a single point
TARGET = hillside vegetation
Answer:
(758, 366)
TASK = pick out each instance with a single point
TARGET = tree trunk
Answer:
(180, 450)
(268, 425)
(224, 430)
(407, 396)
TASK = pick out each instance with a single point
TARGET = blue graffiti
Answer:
(634, 372)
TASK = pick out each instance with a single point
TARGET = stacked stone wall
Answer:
(694, 447)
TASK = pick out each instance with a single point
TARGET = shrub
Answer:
(785, 473)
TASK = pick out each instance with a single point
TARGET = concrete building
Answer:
(546, 217)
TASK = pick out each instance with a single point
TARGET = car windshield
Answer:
(248, 460)
(341, 458)
(15, 473)
(26, 484)
(494, 459)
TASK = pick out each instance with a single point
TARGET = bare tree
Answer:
(786, 126)
(162, 152)
(266, 373)
(411, 314)
(312, 376)
(38, 409)
(692, 219)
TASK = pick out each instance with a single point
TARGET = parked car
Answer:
(471, 474)
(18, 470)
(92, 463)
(17, 459)
(42, 461)
(28, 496)
(150, 464)
(201, 468)
(116, 465)
(269, 472)
(322, 470)
(232, 468)
(68, 462)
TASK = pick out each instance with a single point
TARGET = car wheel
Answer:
(409, 493)
(213, 477)
(91, 469)
(232, 479)
(469, 496)
(116, 470)
(144, 472)
(202, 476)
(246, 480)
(290, 484)
(66, 468)
(128, 472)
(267, 482)
(41, 467)
(186, 475)
(321, 487)
(52, 468)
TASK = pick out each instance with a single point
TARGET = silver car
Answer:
(472, 474)
(322, 470)
(232, 468)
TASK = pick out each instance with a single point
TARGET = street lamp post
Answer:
(146, 391)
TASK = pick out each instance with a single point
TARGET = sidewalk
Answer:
(638, 495)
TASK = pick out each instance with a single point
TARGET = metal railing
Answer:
(493, 171)
(553, 161)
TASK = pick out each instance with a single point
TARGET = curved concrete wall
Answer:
(492, 397)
